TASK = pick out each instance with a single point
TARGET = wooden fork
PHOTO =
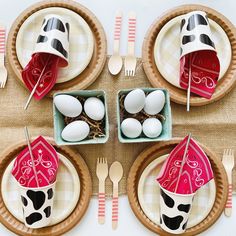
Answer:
(228, 162)
(102, 173)
(3, 71)
(130, 59)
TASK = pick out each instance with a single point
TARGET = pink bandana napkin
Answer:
(196, 171)
(45, 162)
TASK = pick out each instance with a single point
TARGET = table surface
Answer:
(147, 11)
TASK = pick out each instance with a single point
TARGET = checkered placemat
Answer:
(167, 49)
(81, 42)
(149, 193)
(66, 196)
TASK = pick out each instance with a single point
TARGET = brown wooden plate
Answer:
(16, 226)
(94, 68)
(154, 76)
(160, 149)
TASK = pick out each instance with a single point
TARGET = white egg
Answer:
(68, 105)
(75, 131)
(152, 127)
(131, 128)
(155, 102)
(94, 108)
(134, 101)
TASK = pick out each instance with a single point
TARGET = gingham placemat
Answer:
(149, 193)
(81, 41)
(167, 49)
(65, 199)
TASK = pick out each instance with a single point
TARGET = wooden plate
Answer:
(66, 197)
(167, 45)
(160, 149)
(80, 47)
(149, 195)
(178, 95)
(7, 219)
(94, 68)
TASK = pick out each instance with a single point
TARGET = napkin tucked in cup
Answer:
(51, 52)
(198, 56)
(176, 201)
(45, 162)
(37, 192)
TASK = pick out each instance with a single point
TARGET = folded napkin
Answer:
(196, 170)
(45, 162)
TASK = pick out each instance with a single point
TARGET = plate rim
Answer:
(74, 218)
(82, 23)
(75, 176)
(170, 24)
(146, 156)
(178, 95)
(150, 167)
(97, 62)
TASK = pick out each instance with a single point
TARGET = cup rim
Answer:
(38, 188)
(177, 194)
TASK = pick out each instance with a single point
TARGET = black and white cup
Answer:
(37, 204)
(174, 211)
(54, 38)
(195, 33)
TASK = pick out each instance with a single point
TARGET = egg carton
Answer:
(164, 116)
(60, 121)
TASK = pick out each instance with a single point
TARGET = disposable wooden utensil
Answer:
(189, 82)
(183, 161)
(115, 174)
(130, 59)
(3, 71)
(102, 173)
(31, 154)
(37, 84)
(228, 162)
(115, 61)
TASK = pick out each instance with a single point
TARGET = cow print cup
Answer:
(174, 211)
(37, 205)
(195, 33)
(54, 38)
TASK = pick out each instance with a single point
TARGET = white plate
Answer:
(81, 42)
(149, 192)
(167, 49)
(66, 196)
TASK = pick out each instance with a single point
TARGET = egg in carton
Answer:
(144, 115)
(80, 117)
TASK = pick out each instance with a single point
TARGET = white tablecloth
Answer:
(147, 11)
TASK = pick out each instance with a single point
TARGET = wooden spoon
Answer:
(115, 174)
(115, 62)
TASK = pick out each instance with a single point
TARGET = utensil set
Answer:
(115, 174)
(3, 71)
(115, 62)
(228, 162)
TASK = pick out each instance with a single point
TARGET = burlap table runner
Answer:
(214, 124)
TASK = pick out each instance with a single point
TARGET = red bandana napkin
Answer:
(33, 70)
(205, 69)
(196, 171)
(45, 161)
